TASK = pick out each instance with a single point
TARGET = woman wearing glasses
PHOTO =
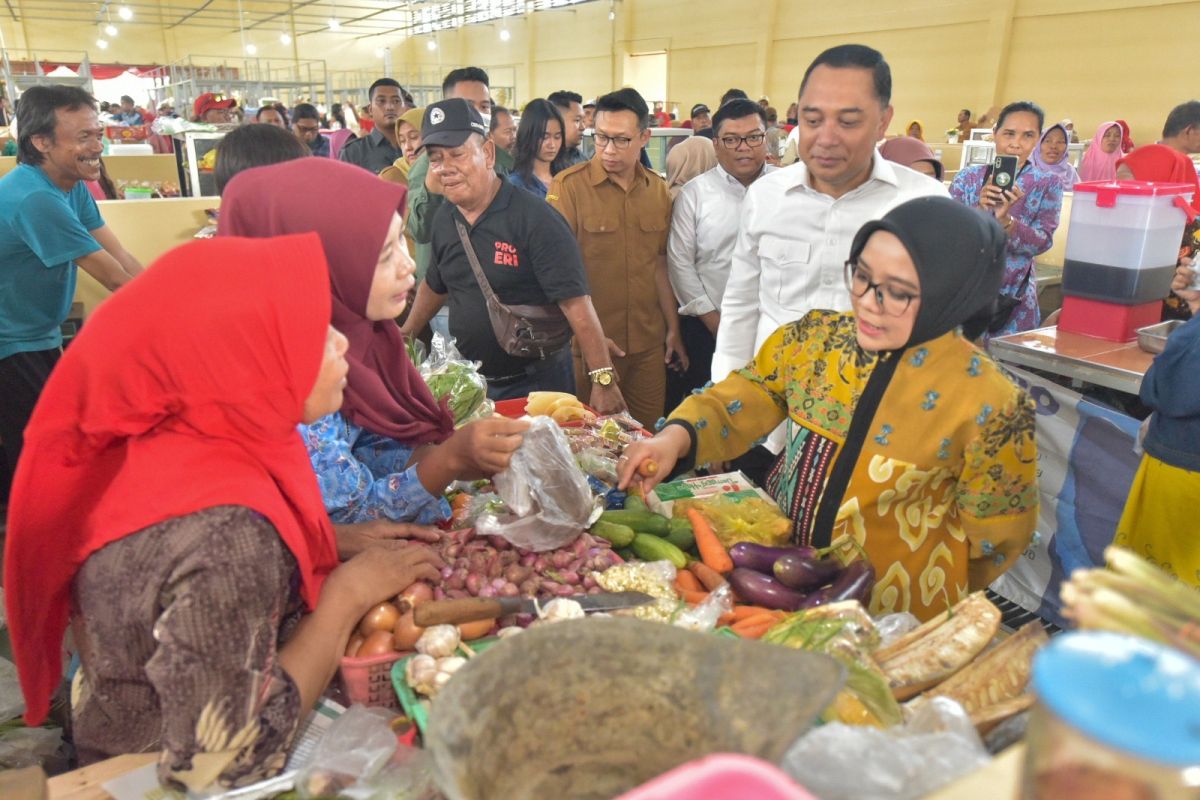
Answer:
(901, 432)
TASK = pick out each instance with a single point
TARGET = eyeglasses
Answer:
(619, 142)
(752, 141)
(892, 300)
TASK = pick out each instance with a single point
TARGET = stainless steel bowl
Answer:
(1153, 338)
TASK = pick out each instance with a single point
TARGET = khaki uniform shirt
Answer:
(621, 234)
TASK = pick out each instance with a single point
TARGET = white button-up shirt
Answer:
(704, 226)
(792, 246)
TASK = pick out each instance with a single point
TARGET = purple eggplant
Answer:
(761, 590)
(805, 574)
(761, 558)
(855, 583)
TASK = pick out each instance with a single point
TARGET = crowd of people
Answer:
(241, 434)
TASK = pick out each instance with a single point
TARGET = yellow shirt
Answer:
(622, 235)
(943, 497)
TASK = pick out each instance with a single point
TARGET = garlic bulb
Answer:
(420, 673)
(560, 609)
(439, 641)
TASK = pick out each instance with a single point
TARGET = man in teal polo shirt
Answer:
(49, 224)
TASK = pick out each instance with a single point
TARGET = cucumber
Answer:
(617, 535)
(640, 521)
(635, 503)
(682, 537)
(652, 548)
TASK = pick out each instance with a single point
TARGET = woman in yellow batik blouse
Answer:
(900, 431)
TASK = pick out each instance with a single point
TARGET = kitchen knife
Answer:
(469, 609)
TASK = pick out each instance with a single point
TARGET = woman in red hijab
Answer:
(391, 451)
(165, 508)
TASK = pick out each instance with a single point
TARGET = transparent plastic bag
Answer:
(456, 380)
(12, 701)
(408, 776)
(548, 500)
(26, 747)
(355, 748)
(892, 626)
(598, 464)
(703, 616)
(655, 578)
(850, 762)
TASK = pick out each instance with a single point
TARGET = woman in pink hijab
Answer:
(1099, 161)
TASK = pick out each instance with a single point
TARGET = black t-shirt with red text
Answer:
(527, 252)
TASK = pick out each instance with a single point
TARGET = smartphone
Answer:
(1004, 172)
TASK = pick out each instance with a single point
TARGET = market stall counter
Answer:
(1115, 365)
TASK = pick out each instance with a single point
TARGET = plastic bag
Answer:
(453, 378)
(548, 500)
(599, 465)
(12, 701)
(703, 616)
(25, 747)
(847, 762)
(655, 578)
(739, 519)
(357, 745)
(892, 626)
(408, 776)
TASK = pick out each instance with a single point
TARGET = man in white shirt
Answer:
(704, 226)
(798, 223)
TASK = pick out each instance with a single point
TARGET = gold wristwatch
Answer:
(603, 376)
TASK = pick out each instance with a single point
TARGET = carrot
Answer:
(693, 597)
(712, 552)
(648, 468)
(725, 619)
(688, 581)
(755, 631)
(757, 619)
(708, 576)
(742, 612)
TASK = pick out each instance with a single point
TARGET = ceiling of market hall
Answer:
(355, 18)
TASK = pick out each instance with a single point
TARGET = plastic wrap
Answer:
(599, 464)
(655, 578)
(26, 747)
(355, 748)
(456, 380)
(892, 626)
(548, 500)
(847, 762)
(704, 615)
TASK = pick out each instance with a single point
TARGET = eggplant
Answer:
(761, 558)
(805, 574)
(762, 590)
(855, 583)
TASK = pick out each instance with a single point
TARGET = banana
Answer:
(540, 402)
(940, 647)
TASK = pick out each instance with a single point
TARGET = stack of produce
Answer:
(559, 406)
(388, 627)
(1134, 596)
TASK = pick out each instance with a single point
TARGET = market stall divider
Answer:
(154, 168)
(1086, 463)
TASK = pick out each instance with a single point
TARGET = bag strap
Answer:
(480, 278)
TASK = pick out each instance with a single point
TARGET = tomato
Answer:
(380, 618)
(377, 644)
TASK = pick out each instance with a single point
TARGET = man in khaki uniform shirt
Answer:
(620, 212)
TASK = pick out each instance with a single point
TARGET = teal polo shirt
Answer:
(42, 231)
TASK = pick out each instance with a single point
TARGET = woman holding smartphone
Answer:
(1024, 199)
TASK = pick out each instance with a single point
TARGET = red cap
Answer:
(208, 101)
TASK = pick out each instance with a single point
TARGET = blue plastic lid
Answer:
(1128, 693)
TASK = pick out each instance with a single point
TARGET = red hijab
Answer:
(385, 394)
(181, 393)
(1162, 164)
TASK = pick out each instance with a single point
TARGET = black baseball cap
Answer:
(699, 108)
(449, 123)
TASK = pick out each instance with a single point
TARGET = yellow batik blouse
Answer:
(943, 497)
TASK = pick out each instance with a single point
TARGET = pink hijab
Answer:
(384, 394)
(1098, 165)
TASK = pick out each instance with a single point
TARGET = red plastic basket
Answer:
(369, 680)
(513, 409)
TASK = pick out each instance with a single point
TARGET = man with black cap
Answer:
(702, 121)
(526, 253)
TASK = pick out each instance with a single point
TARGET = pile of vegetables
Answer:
(388, 628)
(637, 532)
(794, 578)
(488, 566)
(461, 386)
(1134, 596)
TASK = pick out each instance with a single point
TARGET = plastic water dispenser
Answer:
(1123, 240)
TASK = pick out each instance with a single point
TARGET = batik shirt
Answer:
(943, 496)
(1035, 218)
(365, 475)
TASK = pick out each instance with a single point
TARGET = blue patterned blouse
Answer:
(363, 475)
